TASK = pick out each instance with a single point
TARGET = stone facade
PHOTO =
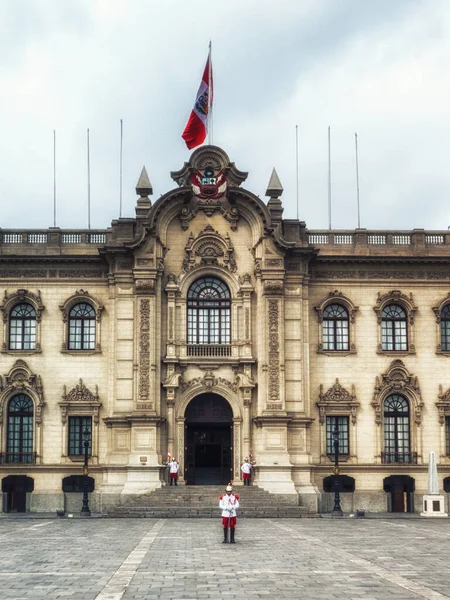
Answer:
(277, 372)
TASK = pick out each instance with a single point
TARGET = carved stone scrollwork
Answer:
(443, 405)
(337, 400)
(208, 381)
(80, 398)
(209, 248)
(395, 296)
(338, 297)
(145, 286)
(144, 350)
(22, 296)
(398, 380)
(21, 379)
(274, 351)
(273, 287)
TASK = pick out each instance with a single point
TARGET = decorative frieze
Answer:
(144, 350)
(274, 350)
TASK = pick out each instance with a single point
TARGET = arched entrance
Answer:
(15, 489)
(208, 457)
(401, 493)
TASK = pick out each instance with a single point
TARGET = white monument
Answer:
(433, 502)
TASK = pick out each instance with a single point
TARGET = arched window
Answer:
(209, 312)
(22, 327)
(19, 446)
(445, 328)
(396, 430)
(82, 327)
(335, 328)
(394, 328)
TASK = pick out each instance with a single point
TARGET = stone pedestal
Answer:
(433, 506)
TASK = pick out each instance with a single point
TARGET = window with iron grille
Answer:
(396, 429)
(394, 328)
(77, 426)
(82, 327)
(208, 306)
(343, 434)
(335, 328)
(445, 328)
(447, 436)
(19, 445)
(22, 327)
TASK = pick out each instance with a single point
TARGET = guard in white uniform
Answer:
(246, 469)
(229, 502)
(173, 470)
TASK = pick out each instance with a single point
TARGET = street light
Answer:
(337, 510)
(85, 512)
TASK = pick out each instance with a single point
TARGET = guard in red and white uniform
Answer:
(229, 502)
(246, 469)
(173, 471)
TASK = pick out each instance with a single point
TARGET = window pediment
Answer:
(397, 379)
(395, 297)
(337, 400)
(209, 248)
(21, 379)
(443, 405)
(80, 400)
(337, 297)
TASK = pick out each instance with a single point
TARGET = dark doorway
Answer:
(15, 488)
(401, 493)
(208, 435)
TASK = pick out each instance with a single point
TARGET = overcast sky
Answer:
(380, 68)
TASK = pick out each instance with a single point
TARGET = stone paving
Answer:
(183, 559)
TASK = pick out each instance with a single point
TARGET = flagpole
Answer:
(329, 177)
(357, 180)
(296, 166)
(210, 91)
(89, 181)
(121, 163)
(54, 178)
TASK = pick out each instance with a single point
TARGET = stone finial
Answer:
(274, 189)
(144, 187)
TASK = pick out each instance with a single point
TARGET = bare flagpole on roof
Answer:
(88, 181)
(296, 166)
(357, 180)
(121, 163)
(329, 177)
(54, 178)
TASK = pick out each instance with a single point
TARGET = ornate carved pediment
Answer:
(396, 297)
(443, 405)
(337, 400)
(339, 298)
(208, 381)
(209, 248)
(81, 296)
(78, 400)
(397, 380)
(9, 300)
(21, 379)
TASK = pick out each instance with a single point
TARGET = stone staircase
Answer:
(203, 501)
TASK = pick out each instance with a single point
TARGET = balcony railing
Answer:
(20, 458)
(409, 458)
(209, 350)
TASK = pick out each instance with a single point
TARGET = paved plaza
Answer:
(114, 559)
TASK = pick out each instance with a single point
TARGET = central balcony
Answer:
(209, 350)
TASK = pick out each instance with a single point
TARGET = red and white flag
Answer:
(196, 128)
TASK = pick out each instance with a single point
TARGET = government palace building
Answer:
(210, 329)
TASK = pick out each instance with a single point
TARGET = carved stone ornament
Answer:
(273, 287)
(443, 405)
(337, 297)
(274, 352)
(21, 379)
(438, 309)
(145, 287)
(80, 398)
(144, 350)
(208, 381)
(396, 297)
(9, 300)
(397, 380)
(211, 249)
(337, 400)
(81, 296)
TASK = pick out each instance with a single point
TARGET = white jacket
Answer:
(174, 466)
(229, 504)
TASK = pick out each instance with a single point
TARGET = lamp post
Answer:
(85, 512)
(337, 510)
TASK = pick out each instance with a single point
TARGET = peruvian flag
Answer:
(195, 131)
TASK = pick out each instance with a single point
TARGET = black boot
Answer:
(232, 536)
(171, 481)
(225, 535)
(176, 482)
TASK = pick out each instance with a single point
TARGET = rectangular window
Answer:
(77, 425)
(445, 336)
(343, 428)
(447, 436)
